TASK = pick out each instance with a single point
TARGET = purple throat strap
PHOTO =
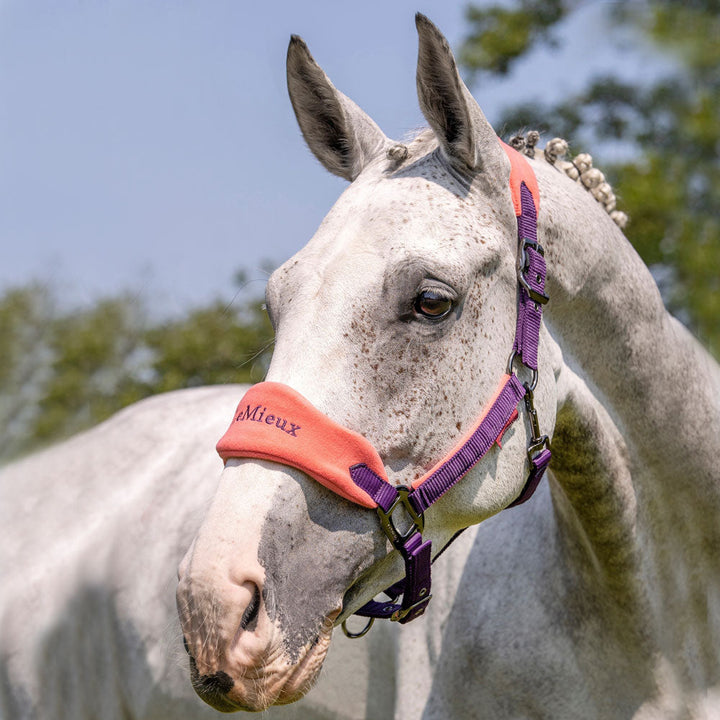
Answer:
(416, 552)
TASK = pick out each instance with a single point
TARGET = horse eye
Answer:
(432, 304)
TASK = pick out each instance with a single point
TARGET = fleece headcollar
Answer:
(274, 422)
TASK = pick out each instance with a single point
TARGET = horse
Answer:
(597, 598)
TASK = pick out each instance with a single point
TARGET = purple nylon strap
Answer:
(456, 466)
(538, 465)
(487, 432)
(381, 491)
(416, 553)
(415, 588)
(531, 295)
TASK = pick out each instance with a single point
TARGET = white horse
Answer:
(598, 598)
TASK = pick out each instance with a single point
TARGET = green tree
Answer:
(90, 372)
(63, 370)
(210, 346)
(24, 358)
(670, 186)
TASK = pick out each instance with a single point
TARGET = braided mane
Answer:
(579, 169)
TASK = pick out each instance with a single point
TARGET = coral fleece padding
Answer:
(521, 172)
(274, 422)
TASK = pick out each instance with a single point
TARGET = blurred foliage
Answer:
(669, 128)
(65, 370)
(500, 34)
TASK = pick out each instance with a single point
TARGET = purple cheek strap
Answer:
(406, 534)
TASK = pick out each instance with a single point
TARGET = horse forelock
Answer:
(417, 152)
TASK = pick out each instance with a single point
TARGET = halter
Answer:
(274, 422)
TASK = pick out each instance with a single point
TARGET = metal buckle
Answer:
(535, 295)
(396, 537)
(525, 242)
(534, 448)
(534, 377)
(537, 441)
(362, 633)
(402, 613)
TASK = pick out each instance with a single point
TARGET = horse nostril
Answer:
(185, 643)
(215, 685)
(251, 611)
(213, 689)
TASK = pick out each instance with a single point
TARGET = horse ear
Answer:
(341, 136)
(465, 136)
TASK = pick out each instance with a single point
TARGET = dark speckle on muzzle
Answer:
(213, 689)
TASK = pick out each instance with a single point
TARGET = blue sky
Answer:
(150, 145)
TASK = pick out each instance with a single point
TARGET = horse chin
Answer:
(277, 682)
(305, 673)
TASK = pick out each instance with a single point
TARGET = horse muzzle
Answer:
(239, 657)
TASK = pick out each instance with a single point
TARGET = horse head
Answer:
(395, 322)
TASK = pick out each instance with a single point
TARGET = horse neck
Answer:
(606, 313)
(636, 440)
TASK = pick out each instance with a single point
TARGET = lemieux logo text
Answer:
(258, 414)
